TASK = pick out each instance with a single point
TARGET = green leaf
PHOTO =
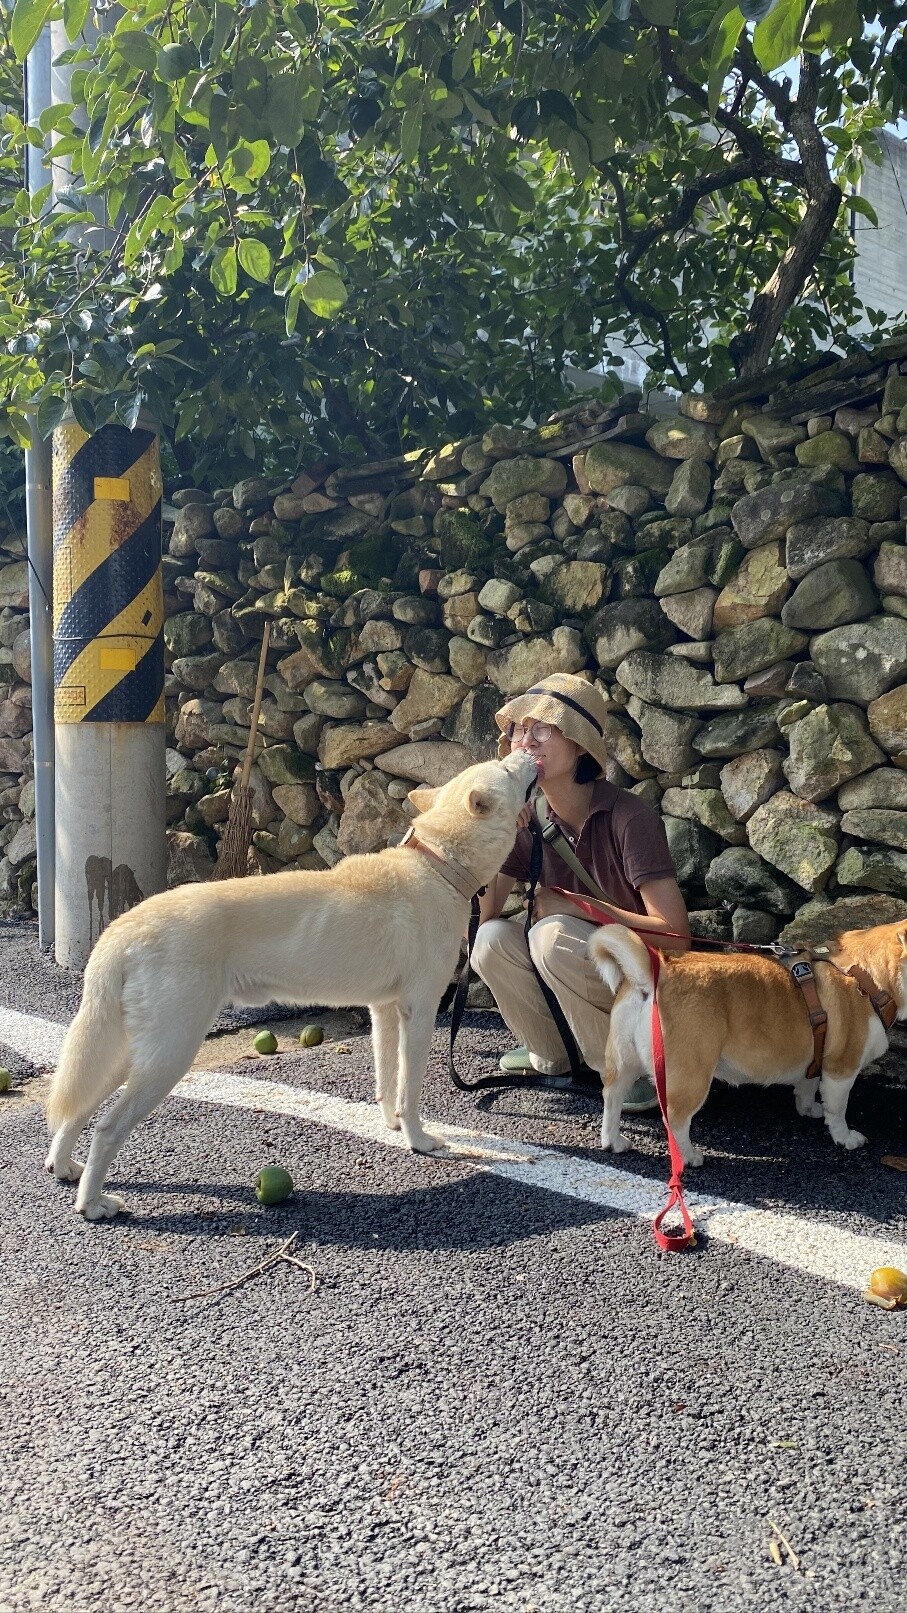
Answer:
(50, 412)
(292, 309)
(75, 13)
(136, 48)
(83, 411)
(726, 38)
(775, 40)
(285, 119)
(516, 189)
(410, 133)
(324, 293)
(462, 56)
(899, 61)
(255, 258)
(660, 13)
(837, 22)
(29, 17)
(224, 19)
(259, 158)
(859, 204)
(223, 271)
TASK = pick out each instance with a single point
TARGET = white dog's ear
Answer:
(422, 797)
(480, 803)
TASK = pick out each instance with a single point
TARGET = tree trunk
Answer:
(752, 348)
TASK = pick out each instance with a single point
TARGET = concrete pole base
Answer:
(111, 838)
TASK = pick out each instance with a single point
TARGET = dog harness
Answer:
(798, 961)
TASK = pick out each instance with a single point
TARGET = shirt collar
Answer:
(604, 796)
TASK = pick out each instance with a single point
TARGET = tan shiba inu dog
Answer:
(740, 1017)
(382, 929)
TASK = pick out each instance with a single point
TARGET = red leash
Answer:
(671, 1241)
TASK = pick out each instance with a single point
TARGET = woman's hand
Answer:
(525, 817)
(546, 903)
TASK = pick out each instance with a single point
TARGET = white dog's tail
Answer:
(618, 955)
(92, 1056)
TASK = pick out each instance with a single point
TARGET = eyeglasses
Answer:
(538, 733)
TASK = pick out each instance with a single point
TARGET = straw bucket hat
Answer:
(565, 701)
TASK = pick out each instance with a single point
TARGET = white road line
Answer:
(37, 1039)
(814, 1248)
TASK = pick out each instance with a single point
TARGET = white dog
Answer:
(382, 929)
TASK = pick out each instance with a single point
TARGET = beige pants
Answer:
(500, 957)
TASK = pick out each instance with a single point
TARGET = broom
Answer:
(233, 851)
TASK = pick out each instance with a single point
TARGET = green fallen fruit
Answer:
(265, 1042)
(6, 1080)
(311, 1036)
(273, 1185)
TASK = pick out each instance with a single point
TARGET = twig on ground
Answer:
(281, 1254)
(795, 1561)
(303, 1266)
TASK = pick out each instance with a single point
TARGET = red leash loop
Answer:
(673, 1242)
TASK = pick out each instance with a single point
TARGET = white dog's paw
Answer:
(391, 1117)
(851, 1139)
(424, 1142)
(103, 1208)
(618, 1144)
(693, 1156)
(814, 1112)
(65, 1170)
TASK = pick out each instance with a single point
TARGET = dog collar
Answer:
(455, 874)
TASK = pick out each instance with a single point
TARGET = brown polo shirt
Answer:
(622, 844)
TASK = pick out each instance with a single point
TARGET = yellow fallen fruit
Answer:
(311, 1036)
(887, 1287)
(265, 1042)
(6, 1080)
(273, 1185)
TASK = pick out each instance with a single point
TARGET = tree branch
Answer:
(773, 92)
(731, 173)
(639, 307)
(765, 161)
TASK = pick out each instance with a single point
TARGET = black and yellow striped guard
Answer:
(108, 592)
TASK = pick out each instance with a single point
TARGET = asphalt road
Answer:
(497, 1397)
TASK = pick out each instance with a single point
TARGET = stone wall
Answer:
(736, 581)
(17, 783)
(734, 577)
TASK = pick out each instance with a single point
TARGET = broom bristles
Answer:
(233, 851)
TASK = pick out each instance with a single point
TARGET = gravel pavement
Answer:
(497, 1397)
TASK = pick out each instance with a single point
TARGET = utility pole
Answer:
(108, 654)
(39, 526)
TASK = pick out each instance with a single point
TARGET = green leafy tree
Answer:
(342, 225)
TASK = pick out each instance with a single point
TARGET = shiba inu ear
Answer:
(480, 803)
(902, 937)
(422, 797)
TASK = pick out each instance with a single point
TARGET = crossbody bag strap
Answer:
(559, 843)
(553, 1006)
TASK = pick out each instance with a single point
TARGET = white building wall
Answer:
(880, 272)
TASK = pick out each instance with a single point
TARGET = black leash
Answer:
(580, 1075)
